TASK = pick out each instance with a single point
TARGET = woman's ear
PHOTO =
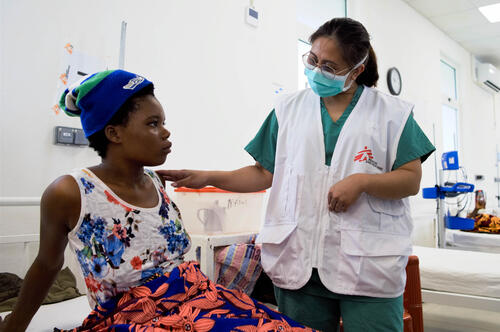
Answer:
(113, 134)
(358, 71)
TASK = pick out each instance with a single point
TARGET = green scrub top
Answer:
(413, 143)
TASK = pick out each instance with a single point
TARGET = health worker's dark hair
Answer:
(354, 41)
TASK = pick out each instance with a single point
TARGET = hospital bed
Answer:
(460, 278)
(473, 241)
(64, 315)
(17, 252)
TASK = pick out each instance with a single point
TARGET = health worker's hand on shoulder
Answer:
(185, 178)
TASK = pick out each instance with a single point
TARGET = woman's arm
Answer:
(59, 210)
(397, 184)
(246, 179)
(400, 183)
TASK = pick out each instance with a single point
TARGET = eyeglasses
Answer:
(311, 62)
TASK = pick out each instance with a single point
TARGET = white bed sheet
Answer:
(64, 315)
(474, 241)
(459, 271)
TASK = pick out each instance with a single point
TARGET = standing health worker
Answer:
(342, 158)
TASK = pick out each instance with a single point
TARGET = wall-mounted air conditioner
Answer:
(487, 74)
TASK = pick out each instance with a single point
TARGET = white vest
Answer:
(362, 251)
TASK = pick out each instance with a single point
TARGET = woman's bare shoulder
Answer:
(63, 188)
(61, 200)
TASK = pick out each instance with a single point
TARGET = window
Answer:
(448, 81)
(303, 48)
(449, 107)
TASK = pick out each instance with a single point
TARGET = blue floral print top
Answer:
(120, 246)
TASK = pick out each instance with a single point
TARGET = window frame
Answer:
(450, 101)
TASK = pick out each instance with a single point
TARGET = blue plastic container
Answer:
(449, 160)
(465, 224)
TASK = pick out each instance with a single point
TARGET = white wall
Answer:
(404, 39)
(213, 75)
(311, 14)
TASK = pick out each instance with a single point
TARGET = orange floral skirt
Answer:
(185, 300)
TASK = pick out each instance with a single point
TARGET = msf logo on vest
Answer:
(366, 156)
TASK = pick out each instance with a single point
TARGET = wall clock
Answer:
(394, 82)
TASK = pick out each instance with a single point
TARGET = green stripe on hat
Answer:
(91, 83)
(82, 90)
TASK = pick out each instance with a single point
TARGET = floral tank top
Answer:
(120, 246)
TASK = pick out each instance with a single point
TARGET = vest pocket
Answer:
(362, 243)
(291, 195)
(391, 207)
(394, 218)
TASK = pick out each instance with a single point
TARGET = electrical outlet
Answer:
(80, 138)
(69, 136)
(64, 135)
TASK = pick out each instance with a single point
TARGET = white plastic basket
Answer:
(214, 211)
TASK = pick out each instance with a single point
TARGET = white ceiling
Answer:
(463, 22)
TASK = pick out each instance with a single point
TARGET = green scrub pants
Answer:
(315, 306)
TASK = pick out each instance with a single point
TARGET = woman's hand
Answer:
(345, 192)
(397, 184)
(185, 178)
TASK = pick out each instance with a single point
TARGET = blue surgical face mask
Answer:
(327, 87)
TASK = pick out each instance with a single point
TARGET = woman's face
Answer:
(326, 51)
(144, 138)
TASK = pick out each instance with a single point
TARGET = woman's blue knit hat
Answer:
(97, 97)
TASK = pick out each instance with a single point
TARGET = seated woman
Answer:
(127, 234)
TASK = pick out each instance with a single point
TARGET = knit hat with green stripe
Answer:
(97, 97)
